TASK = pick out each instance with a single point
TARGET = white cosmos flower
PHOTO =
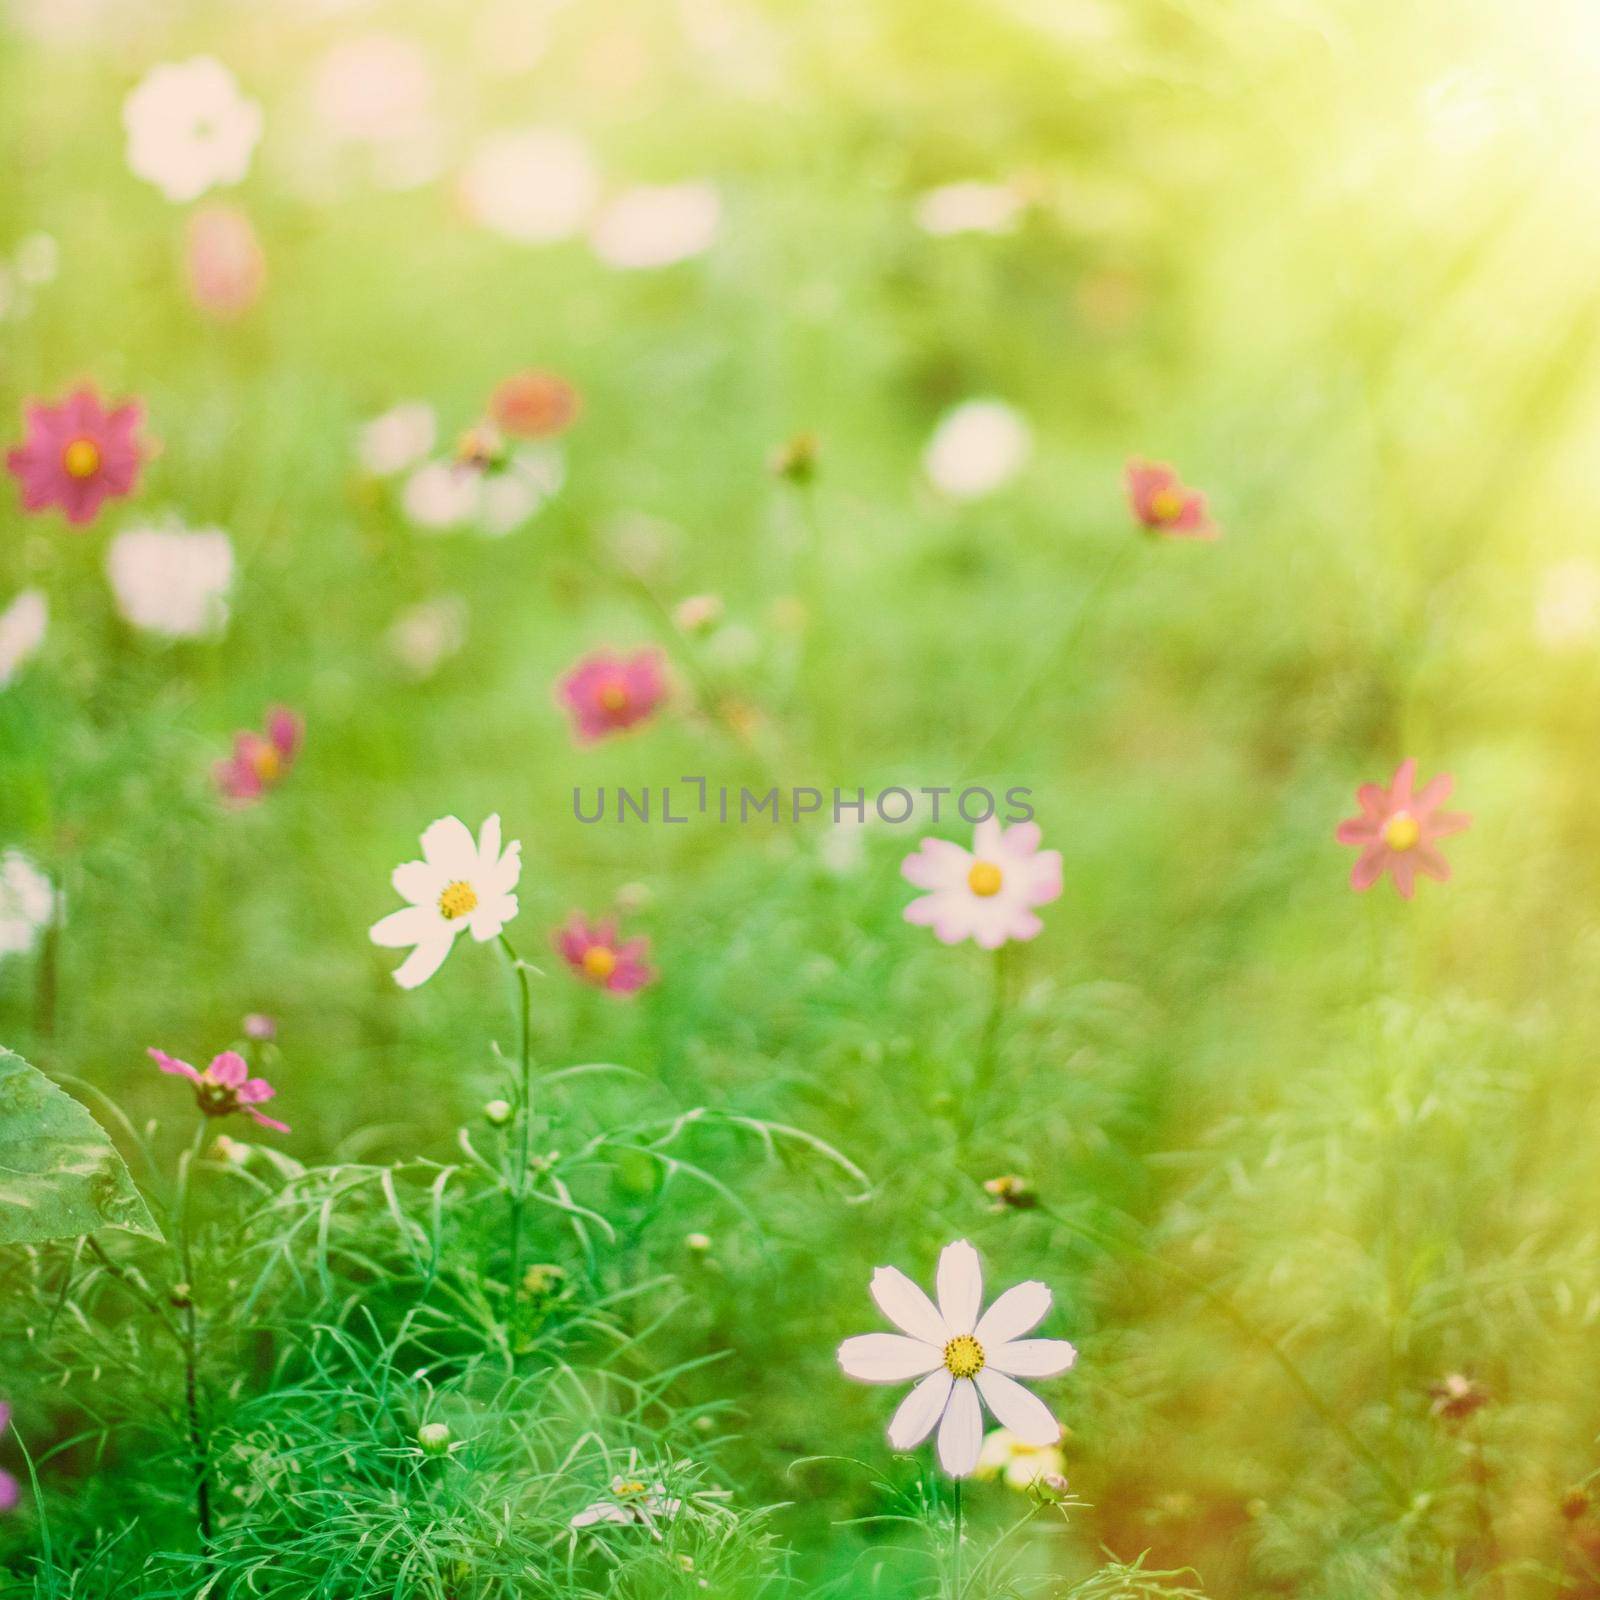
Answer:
(451, 494)
(398, 439)
(656, 225)
(536, 185)
(959, 1356)
(22, 630)
(989, 893)
(171, 581)
(459, 883)
(189, 128)
(969, 208)
(1020, 1464)
(27, 903)
(977, 448)
(635, 1502)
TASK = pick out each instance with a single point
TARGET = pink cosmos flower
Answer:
(224, 1087)
(1164, 506)
(609, 693)
(76, 455)
(10, 1489)
(534, 405)
(223, 262)
(1397, 829)
(594, 953)
(988, 893)
(258, 762)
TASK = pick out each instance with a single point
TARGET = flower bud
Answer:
(434, 1437)
(181, 1295)
(498, 1113)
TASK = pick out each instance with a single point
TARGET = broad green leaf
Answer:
(60, 1175)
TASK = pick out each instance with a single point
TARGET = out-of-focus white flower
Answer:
(511, 496)
(377, 91)
(37, 259)
(634, 1502)
(1022, 1465)
(844, 846)
(172, 581)
(398, 439)
(425, 635)
(460, 884)
(189, 128)
(1568, 609)
(513, 36)
(969, 208)
(534, 185)
(441, 494)
(656, 225)
(27, 903)
(22, 630)
(977, 448)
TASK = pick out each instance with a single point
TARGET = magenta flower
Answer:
(76, 455)
(595, 954)
(10, 1489)
(224, 1087)
(258, 762)
(608, 693)
(988, 893)
(1164, 506)
(1397, 829)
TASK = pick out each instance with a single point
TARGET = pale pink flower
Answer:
(596, 955)
(224, 1087)
(260, 761)
(960, 1357)
(223, 262)
(988, 893)
(1164, 506)
(189, 128)
(608, 693)
(1398, 827)
(76, 454)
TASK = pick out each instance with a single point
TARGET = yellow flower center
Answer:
(628, 1486)
(599, 962)
(984, 878)
(963, 1356)
(81, 458)
(1402, 831)
(613, 696)
(1166, 505)
(457, 900)
(267, 762)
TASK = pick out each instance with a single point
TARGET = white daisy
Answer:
(977, 448)
(959, 1356)
(1020, 1464)
(634, 1502)
(458, 884)
(398, 439)
(534, 185)
(189, 128)
(172, 581)
(22, 630)
(27, 903)
(988, 893)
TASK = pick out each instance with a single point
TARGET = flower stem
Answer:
(989, 1040)
(955, 1547)
(519, 1186)
(198, 1451)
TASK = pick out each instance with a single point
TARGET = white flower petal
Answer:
(1031, 1358)
(887, 1357)
(489, 844)
(423, 962)
(907, 1307)
(1026, 1415)
(417, 882)
(960, 1286)
(961, 1431)
(449, 848)
(1013, 1314)
(491, 916)
(914, 1418)
(503, 875)
(409, 925)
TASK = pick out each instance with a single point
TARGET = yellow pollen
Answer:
(613, 696)
(984, 878)
(81, 458)
(599, 962)
(963, 1356)
(627, 1486)
(457, 900)
(1402, 831)
(267, 762)
(1166, 505)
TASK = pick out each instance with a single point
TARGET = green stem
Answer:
(199, 1453)
(955, 1547)
(989, 1040)
(1226, 1309)
(519, 1185)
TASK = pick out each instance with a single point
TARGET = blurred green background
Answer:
(1336, 262)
